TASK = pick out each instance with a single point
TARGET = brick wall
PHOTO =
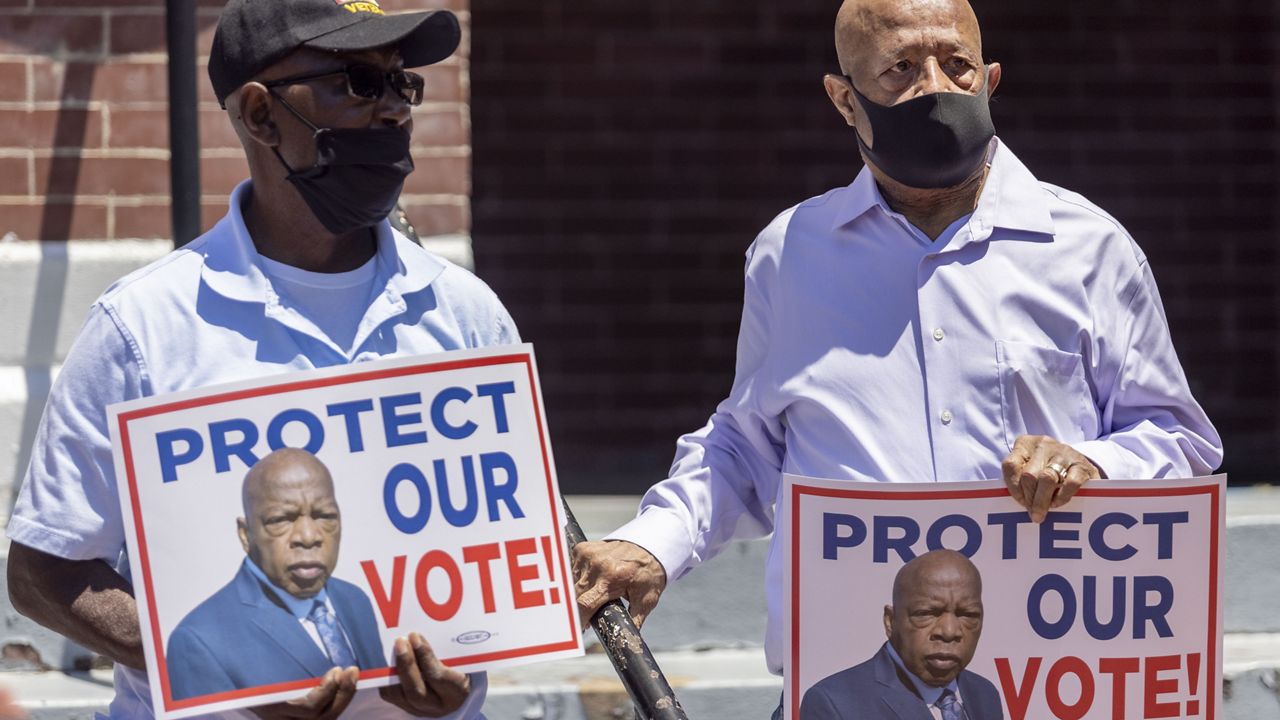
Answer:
(626, 154)
(84, 125)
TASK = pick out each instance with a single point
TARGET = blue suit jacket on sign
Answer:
(878, 690)
(242, 637)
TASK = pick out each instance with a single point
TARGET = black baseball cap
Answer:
(253, 35)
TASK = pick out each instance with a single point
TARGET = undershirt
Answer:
(335, 302)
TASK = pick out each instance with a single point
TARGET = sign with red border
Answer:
(441, 514)
(1111, 608)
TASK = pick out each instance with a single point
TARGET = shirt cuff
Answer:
(473, 707)
(56, 542)
(1111, 460)
(664, 534)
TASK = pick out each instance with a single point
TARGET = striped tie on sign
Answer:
(949, 705)
(335, 643)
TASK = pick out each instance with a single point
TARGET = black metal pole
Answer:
(184, 138)
(645, 683)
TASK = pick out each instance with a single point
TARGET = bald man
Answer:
(933, 627)
(945, 317)
(283, 617)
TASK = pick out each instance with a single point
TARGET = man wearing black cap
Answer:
(303, 272)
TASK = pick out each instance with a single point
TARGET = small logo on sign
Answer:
(473, 637)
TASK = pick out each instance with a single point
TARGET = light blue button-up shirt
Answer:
(207, 314)
(868, 352)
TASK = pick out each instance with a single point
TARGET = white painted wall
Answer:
(45, 290)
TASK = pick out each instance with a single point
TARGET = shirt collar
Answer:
(928, 693)
(232, 269)
(300, 608)
(862, 195)
(1011, 199)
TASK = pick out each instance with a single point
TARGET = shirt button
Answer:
(946, 417)
(938, 334)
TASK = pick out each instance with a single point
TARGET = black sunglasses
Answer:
(367, 82)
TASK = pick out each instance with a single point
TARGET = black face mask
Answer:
(357, 176)
(933, 141)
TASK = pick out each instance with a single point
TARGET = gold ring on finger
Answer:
(1059, 469)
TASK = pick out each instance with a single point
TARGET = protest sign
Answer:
(407, 495)
(1111, 608)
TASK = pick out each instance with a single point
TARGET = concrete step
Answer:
(711, 685)
(60, 696)
(1251, 675)
(714, 684)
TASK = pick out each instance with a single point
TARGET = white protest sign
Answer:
(1111, 608)
(442, 516)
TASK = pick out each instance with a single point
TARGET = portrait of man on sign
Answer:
(933, 627)
(283, 617)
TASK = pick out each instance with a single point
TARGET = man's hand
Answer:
(84, 600)
(615, 569)
(1042, 473)
(325, 701)
(427, 687)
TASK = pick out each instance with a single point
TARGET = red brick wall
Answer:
(84, 125)
(627, 153)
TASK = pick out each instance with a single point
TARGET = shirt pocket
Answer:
(1043, 391)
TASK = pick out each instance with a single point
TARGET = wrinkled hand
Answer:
(325, 701)
(615, 569)
(1042, 473)
(427, 687)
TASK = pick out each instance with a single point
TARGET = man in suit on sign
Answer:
(283, 617)
(933, 628)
